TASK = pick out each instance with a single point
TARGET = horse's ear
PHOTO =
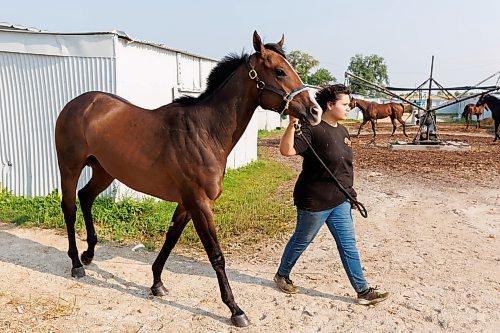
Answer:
(257, 43)
(281, 42)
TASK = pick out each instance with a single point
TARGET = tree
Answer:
(321, 77)
(303, 63)
(371, 68)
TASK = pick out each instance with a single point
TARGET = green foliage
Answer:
(302, 62)
(36, 210)
(248, 205)
(371, 68)
(321, 78)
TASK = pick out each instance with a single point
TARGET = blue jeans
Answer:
(339, 221)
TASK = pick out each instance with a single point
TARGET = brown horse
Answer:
(177, 152)
(471, 110)
(493, 104)
(373, 111)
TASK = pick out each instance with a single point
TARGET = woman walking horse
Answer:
(373, 111)
(177, 152)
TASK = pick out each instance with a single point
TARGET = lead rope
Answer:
(359, 205)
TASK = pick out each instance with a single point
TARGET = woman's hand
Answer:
(353, 206)
(287, 140)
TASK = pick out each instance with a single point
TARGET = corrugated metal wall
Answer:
(145, 74)
(33, 90)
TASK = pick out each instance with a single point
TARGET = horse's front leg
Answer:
(179, 220)
(204, 224)
(478, 125)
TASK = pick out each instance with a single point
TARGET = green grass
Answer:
(261, 134)
(247, 210)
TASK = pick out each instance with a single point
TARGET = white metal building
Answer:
(41, 71)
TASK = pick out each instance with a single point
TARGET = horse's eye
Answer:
(280, 72)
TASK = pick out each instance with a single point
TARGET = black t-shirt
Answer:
(315, 189)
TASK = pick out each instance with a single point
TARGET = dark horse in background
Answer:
(177, 152)
(493, 104)
(471, 110)
(373, 111)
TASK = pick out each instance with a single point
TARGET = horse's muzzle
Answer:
(313, 115)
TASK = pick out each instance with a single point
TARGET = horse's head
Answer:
(352, 103)
(482, 100)
(280, 87)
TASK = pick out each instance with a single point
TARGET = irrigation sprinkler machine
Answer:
(427, 137)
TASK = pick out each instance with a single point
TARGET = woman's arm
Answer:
(287, 140)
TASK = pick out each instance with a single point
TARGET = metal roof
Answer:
(5, 26)
(10, 26)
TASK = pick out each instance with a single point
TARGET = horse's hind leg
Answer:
(204, 224)
(402, 122)
(361, 127)
(374, 131)
(179, 220)
(99, 182)
(497, 136)
(393, 120)
(69, 181)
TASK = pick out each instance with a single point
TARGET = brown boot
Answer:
(371, 296)
(285, 284)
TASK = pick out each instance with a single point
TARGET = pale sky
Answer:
(464, 36)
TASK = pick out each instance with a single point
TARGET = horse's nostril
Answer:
(314, 111)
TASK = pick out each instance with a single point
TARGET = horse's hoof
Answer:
(159, 291)
(78, 272)
(240, 320)
(86, 259)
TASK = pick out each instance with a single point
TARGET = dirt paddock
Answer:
(431, 239)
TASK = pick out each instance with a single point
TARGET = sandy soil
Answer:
(431, 239)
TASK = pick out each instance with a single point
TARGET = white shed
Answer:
(41, 71)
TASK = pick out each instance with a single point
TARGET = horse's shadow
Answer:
(26, 253)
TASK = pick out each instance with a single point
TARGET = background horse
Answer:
(471, 110)
(373, 111)
(177, 152)
(493, 104)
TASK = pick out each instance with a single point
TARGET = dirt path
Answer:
(433, 244)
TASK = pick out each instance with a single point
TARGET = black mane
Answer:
(221, 72)
(218, 75)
